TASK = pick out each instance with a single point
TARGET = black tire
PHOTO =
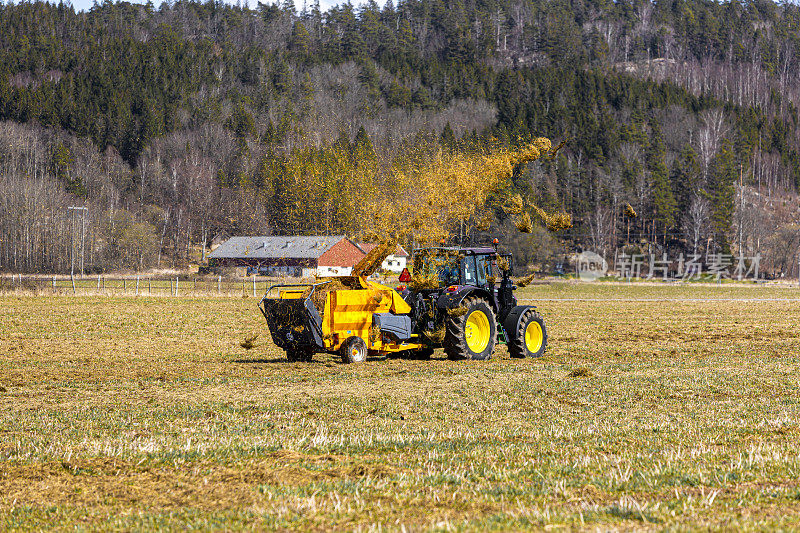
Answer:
(456, 342)
(422, 355)
(299, 355)
(517, 345)
(354, 350)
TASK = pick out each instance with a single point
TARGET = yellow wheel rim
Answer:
(534, 336)
(477, 331)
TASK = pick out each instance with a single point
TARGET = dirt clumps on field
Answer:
(249, 342)
(581, 372)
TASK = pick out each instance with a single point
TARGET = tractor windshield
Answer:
(443, 266)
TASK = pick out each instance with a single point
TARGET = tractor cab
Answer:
(475, 267)
(449, 275)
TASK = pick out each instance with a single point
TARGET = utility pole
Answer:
(83, 238)
(73, 210)
(72, 243)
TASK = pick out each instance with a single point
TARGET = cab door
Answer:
(484, 270)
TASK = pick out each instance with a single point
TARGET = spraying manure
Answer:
(451, 298)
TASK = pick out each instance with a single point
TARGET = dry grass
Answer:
(145, 413)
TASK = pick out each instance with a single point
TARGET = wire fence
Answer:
(140, 285)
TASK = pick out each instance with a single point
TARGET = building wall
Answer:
(394, 263)
(283, 271)
(291, 267)
(327, 271)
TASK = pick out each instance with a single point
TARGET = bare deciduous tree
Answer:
(695, 222)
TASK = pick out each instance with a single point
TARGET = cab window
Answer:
(484, 268)
(470, 272)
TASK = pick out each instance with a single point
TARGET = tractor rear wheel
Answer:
(530, 339)
(473, 334)
(354, 350)
(299, 355)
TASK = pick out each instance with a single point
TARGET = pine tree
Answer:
(722, 177)
(61, 163)
(299, 40)
(663, 198)
(686, 175)
(448, 138)
(362, 149)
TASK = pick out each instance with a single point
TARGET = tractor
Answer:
(452, 301)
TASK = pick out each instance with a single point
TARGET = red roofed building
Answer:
(340, 259)
(300, 256)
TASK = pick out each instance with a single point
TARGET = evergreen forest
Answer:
(180, 123)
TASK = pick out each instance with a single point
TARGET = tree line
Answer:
(175, 124)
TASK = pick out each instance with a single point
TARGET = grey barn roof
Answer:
(296, 247)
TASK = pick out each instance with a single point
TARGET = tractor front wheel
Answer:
(354, 350)
(530, 339)
(473, 334)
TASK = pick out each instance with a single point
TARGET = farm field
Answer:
(656, 406)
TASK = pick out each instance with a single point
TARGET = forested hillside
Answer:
(177, 123)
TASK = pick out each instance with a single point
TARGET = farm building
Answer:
(394, 263)
(300, 256)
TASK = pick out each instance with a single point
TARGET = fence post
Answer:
(54, 284)
(219, 284)
(104, 284)
(98, 283)
(73, 283)
(137, 285)
(149, 286)
(124, 285)
(176, 286)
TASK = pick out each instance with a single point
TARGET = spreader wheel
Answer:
(530, 339)
(473, 334)
(354, 350)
